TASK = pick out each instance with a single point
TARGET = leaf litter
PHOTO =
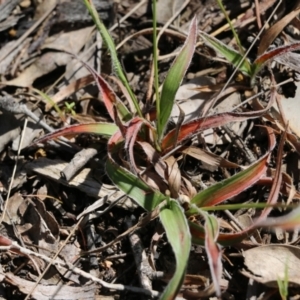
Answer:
(60, 222)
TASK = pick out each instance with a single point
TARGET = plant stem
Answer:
(231, 27)
(155, 61)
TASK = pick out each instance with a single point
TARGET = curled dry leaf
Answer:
(270, 35)
(209, 158)
(267, 264)
(174, 176)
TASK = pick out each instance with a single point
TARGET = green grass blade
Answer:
(238, 42)
(174, 79)
(178, 234)
(133, 186)
(231, 55)
(155, 60)
(52, 103)
(113, 52)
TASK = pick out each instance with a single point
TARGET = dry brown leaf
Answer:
(13, 205)
(174, 176)
(49, 61)
(209, 158)
(270, 35)
(45, 292)
(267, 264)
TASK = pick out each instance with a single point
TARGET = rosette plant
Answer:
(143, 159)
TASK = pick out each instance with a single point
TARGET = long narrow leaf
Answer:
(174, 79)
(133, 186)
(231, 55)
(178, 234)
(232, 186)
(224, 239)
(112, 50)
(196, 126)
(213, 251)
(290, 221)
(279, 51)
(109, 97)
(105, 129)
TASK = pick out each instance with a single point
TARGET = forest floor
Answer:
(74, 229)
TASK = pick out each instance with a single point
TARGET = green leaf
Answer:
(174, 79)
(52, 103)
(231, 55)
(178, 234)
(133, 186)
(113, 52)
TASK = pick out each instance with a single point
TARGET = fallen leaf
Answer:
(45, 292)
(267, 264)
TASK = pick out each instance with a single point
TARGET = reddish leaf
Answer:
(234, 185)
(194, 127)
(279, 51)
(213, 251)
(109, 97)
(274, 192)
(225, 239)
(106, 129)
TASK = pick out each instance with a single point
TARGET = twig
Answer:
(14, 172)
(14, 247)
(140, 258)
(150, 216)
(9, 104)
(79, 160)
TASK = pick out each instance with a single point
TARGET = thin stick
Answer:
(14, 171)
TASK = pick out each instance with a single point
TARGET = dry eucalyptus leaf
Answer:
(166, 9)
(291, 108)
(13, 205)
(267, 264)
(71, 42)
(45, 292)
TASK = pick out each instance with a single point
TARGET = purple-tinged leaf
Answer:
(213, 251)
(274, 192)
(225, 239)
(279, 51)
(194, 127)
(109, 97)
(237, 183)
(105, 129)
